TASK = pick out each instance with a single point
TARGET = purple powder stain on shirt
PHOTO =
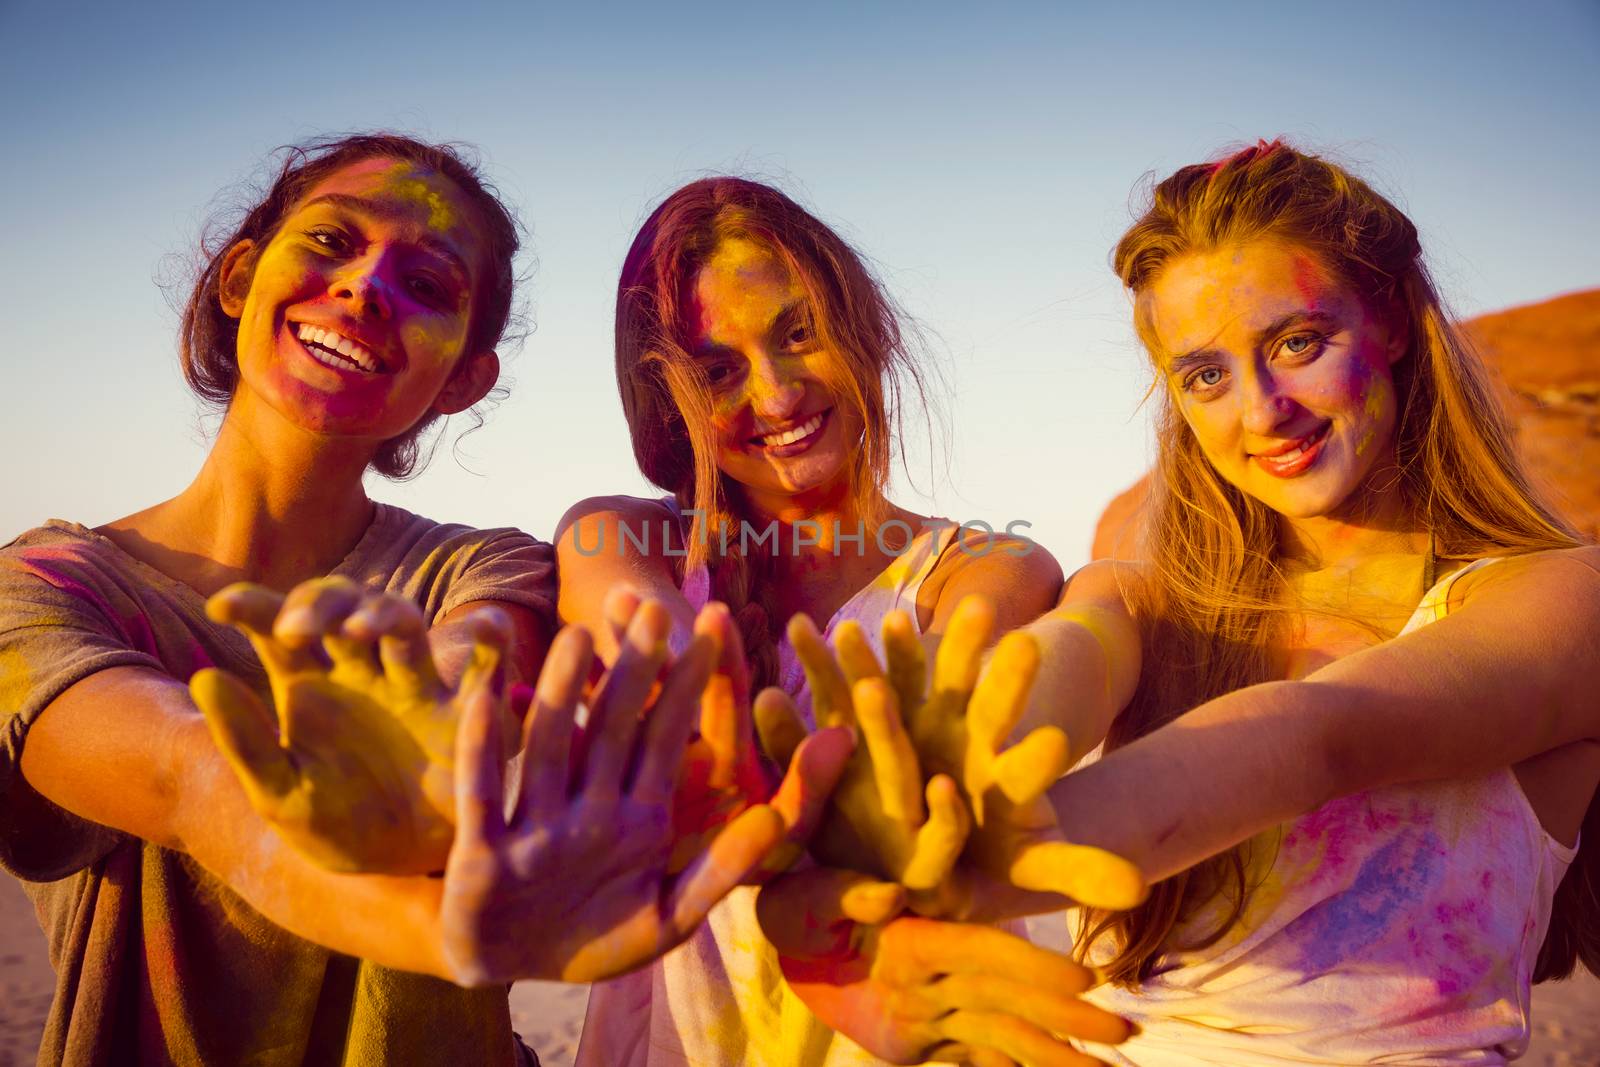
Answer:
(1380, 899)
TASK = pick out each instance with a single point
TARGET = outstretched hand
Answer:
(578, 882)
(955, 731)
(882, 818)
(354, 763)
(723, 772)
(920, 989)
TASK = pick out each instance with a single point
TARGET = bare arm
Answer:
(593, 556)
(1506, 676)
(1089, 659)
(126, 748)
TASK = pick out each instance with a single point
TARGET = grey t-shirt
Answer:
(156, 960)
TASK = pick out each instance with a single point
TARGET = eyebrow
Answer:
(380, 210)
(784, 316)
(1200, 355)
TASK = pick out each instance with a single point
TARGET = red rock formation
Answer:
(1547, 355)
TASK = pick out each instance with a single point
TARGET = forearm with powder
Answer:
(1216, 776)
(1088, 667)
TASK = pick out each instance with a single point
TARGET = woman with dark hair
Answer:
(762, 370)
(1345, 697)
(357, 302)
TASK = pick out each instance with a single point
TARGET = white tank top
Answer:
(719, 999)
(1398, 926)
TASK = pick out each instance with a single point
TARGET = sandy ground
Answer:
(1566, 1016)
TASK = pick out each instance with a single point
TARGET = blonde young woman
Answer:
(1347, 703)
(759, 365)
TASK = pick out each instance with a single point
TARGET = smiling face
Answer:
(1283, 373)
(357, 311)
(780, 430)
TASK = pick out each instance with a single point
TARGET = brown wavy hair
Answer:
(208, 338)
(667, 400)
(1213, 597)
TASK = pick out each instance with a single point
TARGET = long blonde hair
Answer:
(667, 401)
(1213, 597)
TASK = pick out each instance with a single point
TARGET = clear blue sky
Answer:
(984, 156)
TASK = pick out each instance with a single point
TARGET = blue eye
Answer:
(1209, 375)
(1300, 343)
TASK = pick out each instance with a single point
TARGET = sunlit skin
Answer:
(1265, 351)
(769, 372)
(383, 253)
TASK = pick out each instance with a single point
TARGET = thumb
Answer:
(1091, 876)
(814, 770)
(810, 914)
(246, 733)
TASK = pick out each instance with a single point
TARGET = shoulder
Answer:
(1019, 575)
(444, 565)
(68, 557)
(1568, 578)
(413, 541)
(612, 509)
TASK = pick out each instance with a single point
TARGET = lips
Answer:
(1290, 458)
(794, 439)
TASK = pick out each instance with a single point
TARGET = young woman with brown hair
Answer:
(360, 299)
(762, 369)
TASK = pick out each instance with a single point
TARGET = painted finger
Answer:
(906, 662)
(815, 768)
(1011, 1037)
(244, 730)
(480, 789)
(960, 655)
(807, 914)
(1091, 876)
(939, 841)
(490, 630)
(778, 725)
(725, 703)
(620, 605)
(1026, 769)
(736, 852)
(548, 727)
(894, 761)
(854, 649)
(353, 654)
(830, 693)
(914, 951)
(1048, 1009)
(396, 623)
(314, 609)
(618, 706)
(1002, 690)
(671, 721)
(252, 609)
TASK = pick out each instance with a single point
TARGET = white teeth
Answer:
(789, 437)
(333, 342)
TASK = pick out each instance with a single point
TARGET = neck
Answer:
(273, 504)
(1377, 519)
